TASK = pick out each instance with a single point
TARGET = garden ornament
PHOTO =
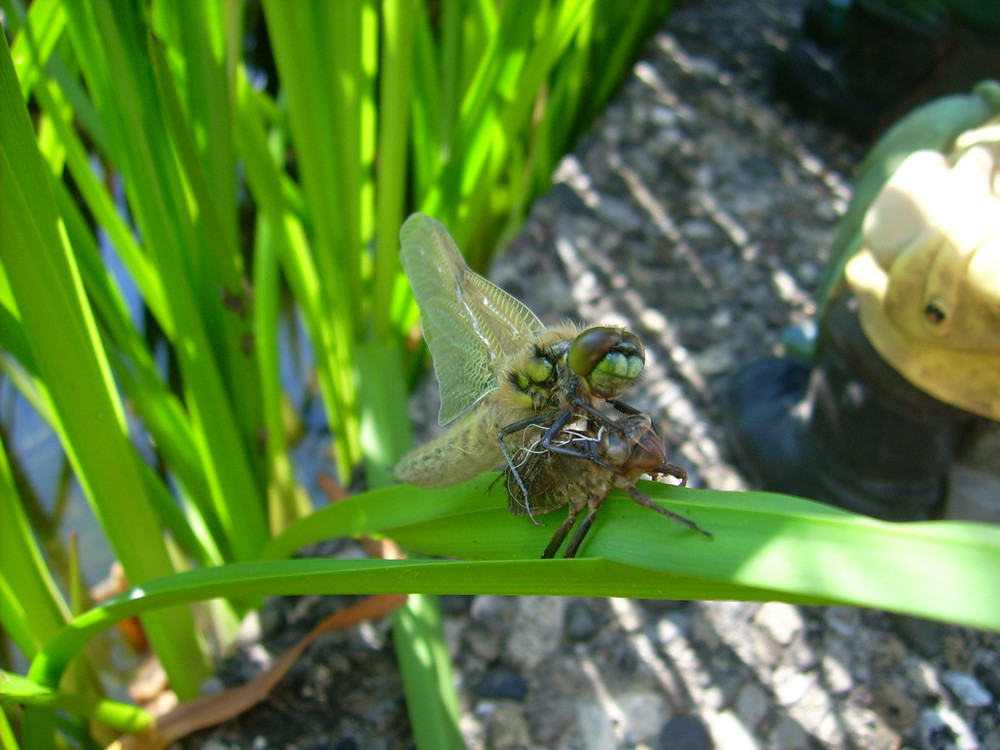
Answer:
(908, 354)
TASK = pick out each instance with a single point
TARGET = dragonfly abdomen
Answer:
(465, 450)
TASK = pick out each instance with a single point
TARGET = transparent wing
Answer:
(468, 322)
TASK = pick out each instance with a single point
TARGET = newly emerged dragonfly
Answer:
(603, 453)
(500, 370)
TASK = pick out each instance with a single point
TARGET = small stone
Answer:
(257, 624)
(489, 609)
(752, 704)
(507, 729)
(694, 230)
(967, 689)
(715, 360)
(536, 631)
(836, 676)
(721, 318)
(551, 717)
(644, 712)
(987, 669)
(662, 116)
(670, 630)
(727, 730)
(788, 734)
(503, 682)
(685, 733)
(453, 632)
(258, 655)
(483, 643)
(619, 214)
(594, 727)
(790, 685)
(889, 653)
(895, 707)
(782, 620)
(942, 729)
(581, 622)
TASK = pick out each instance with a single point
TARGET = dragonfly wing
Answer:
(469, 323)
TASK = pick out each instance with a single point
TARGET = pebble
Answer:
(492, 611)
(752, 704)
(943, 729)
(896, 708)
(843, 620)
(256, 625)
(619, 214)
(788, 734)
(721, 318)
(594, 727)
(644, 712)
(662, 116)
(987, 669)
(836, 676)
(507, 729)
(536, 630)
(482, 642)
(503, 682)
(783, 621)
(690, 733)
(714, 360)
(967, 689)
(790, 685)
(581, 622)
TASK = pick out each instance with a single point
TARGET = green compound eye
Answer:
(538, 371)
(608, 359)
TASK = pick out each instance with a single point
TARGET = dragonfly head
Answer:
(607, 359)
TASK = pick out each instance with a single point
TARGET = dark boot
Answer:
(849, 430)
(854, 67)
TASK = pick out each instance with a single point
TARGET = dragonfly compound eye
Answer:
(609, 359)
(536, 372)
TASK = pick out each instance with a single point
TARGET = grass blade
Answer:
(61, 332)
(425, 666)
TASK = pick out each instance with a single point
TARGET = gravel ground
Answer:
(698, 213)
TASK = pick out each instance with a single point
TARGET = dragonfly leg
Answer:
(671, 470)
(557, 539)
(549, 444)
(646, 502)
(581, 532)
(623, 408)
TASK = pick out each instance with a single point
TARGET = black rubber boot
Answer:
(849, 430)
(854, 67)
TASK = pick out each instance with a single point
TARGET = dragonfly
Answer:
(603, 453)
(500, 370)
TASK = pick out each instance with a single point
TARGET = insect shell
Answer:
(594, 453)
